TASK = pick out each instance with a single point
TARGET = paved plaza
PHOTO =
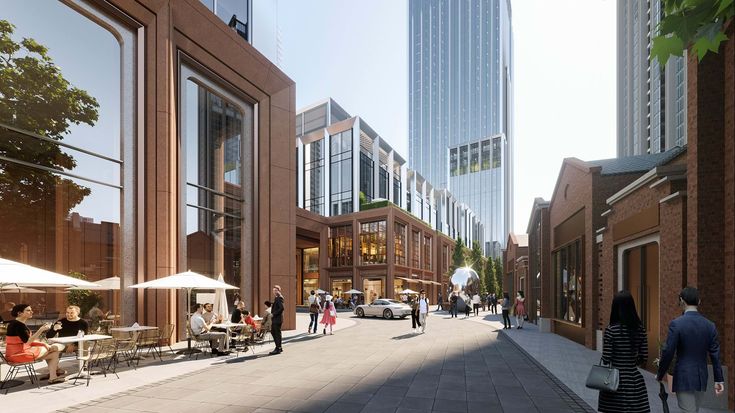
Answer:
(372, 365)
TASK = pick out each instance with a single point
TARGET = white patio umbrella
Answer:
(18, 274)
(220, 300)
(112, 283)
(25, 290)
(320, 291)
(353, 291)
(408, 291)
(188, 281)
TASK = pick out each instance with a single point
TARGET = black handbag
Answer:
(603, 378)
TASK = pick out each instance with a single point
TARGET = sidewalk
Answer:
(570, 362)
(60, 396)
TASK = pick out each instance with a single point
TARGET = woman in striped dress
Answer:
(625, 346)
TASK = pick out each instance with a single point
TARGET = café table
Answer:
(228, 326)
(80, 340)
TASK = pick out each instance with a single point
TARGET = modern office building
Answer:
(153, 159)
(652, 113)
(256, 21)
(353, 188)
(461, 105)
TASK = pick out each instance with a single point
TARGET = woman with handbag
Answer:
(625, 348)
(330, 315)
(314, 309)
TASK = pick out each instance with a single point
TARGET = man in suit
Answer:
(277, 312)
(691, 338)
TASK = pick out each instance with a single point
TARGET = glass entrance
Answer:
(373, 288)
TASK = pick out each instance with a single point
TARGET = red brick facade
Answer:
(539, 261)
(515, 266)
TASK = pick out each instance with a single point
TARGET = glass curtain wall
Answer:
(341, 173)
(63, 145)
(216, 131)
(373, 243)
(366, 177)
(486, 154)
(397, 186)
(475, 157)
(383, 182)
(314, 177)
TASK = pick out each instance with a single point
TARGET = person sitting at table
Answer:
(212, 318)
(267, 322)
(201, 330)
(95, 314)
(23, 347)
(237, 314)
(69, 326)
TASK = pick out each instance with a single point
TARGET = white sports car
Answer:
(384, 308)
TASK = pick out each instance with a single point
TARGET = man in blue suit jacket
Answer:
(691, 337)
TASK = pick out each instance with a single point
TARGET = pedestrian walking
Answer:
(329, 319)
(691, 337)
(519, 309)
(476, 304)
(505, 306)
(277, 312)
(415, 323)
(314, 309)
(453, 305)
(625, 347)
(493, 303)
(439, 302)
(423, 310)
(467, 307)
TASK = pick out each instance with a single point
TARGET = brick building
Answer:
(539, 264)
(575, 220)
(515, 266)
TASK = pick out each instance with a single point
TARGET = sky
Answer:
(357, 53)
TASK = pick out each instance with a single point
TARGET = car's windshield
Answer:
(394, 301)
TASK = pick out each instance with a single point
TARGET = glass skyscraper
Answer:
(651, 99)
(461, 105)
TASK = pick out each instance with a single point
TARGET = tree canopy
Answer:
(697, 24)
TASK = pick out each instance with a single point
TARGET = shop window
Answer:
(415, 249)
(310, 271)
(427, 253)
(339, 286)
(569, 277)
(373, 243)
(340, 246)
(399, 232)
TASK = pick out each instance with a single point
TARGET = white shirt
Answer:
(475, 299)
(314, 299)
(197, 324)
(423, 305)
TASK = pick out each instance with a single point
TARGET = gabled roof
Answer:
(639, 163)
(538, 204)
(520, 239)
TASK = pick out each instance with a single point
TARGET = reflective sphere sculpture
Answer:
(465, 282)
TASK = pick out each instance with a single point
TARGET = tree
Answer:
(478, 264)
(491, 276)
(35, 97)
(499, 273)
(691, 23)
(458, 256)
(84, 299)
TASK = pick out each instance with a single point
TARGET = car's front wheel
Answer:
(387, 314)
(360, 312)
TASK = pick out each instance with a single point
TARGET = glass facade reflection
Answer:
(215, 134)
(568, 279)
(61, 147)
(373, 243)
(340, 246)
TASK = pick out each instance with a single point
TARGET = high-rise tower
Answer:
(651, 99)
(461, 105)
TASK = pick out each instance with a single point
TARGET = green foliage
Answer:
(84, 299)
(373, 205)
(691, 23)
(459, 258)
(491, 277)
(477, 262)
(363, 199)
(35, 97)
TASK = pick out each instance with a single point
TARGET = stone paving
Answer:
(376, 366)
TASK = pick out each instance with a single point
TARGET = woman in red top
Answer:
(23, 347)
(330, 315)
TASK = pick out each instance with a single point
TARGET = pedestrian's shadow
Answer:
(404, 336)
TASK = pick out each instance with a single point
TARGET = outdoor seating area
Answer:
(102, 347)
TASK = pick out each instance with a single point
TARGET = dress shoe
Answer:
(274, 352)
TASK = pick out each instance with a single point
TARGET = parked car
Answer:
(384, 308)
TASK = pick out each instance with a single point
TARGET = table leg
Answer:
(81, 354)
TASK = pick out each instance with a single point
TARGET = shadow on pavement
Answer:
(404, 336)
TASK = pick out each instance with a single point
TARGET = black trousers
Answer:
(494, 307)
(415, 319)
(506, 319)
(276, 333)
